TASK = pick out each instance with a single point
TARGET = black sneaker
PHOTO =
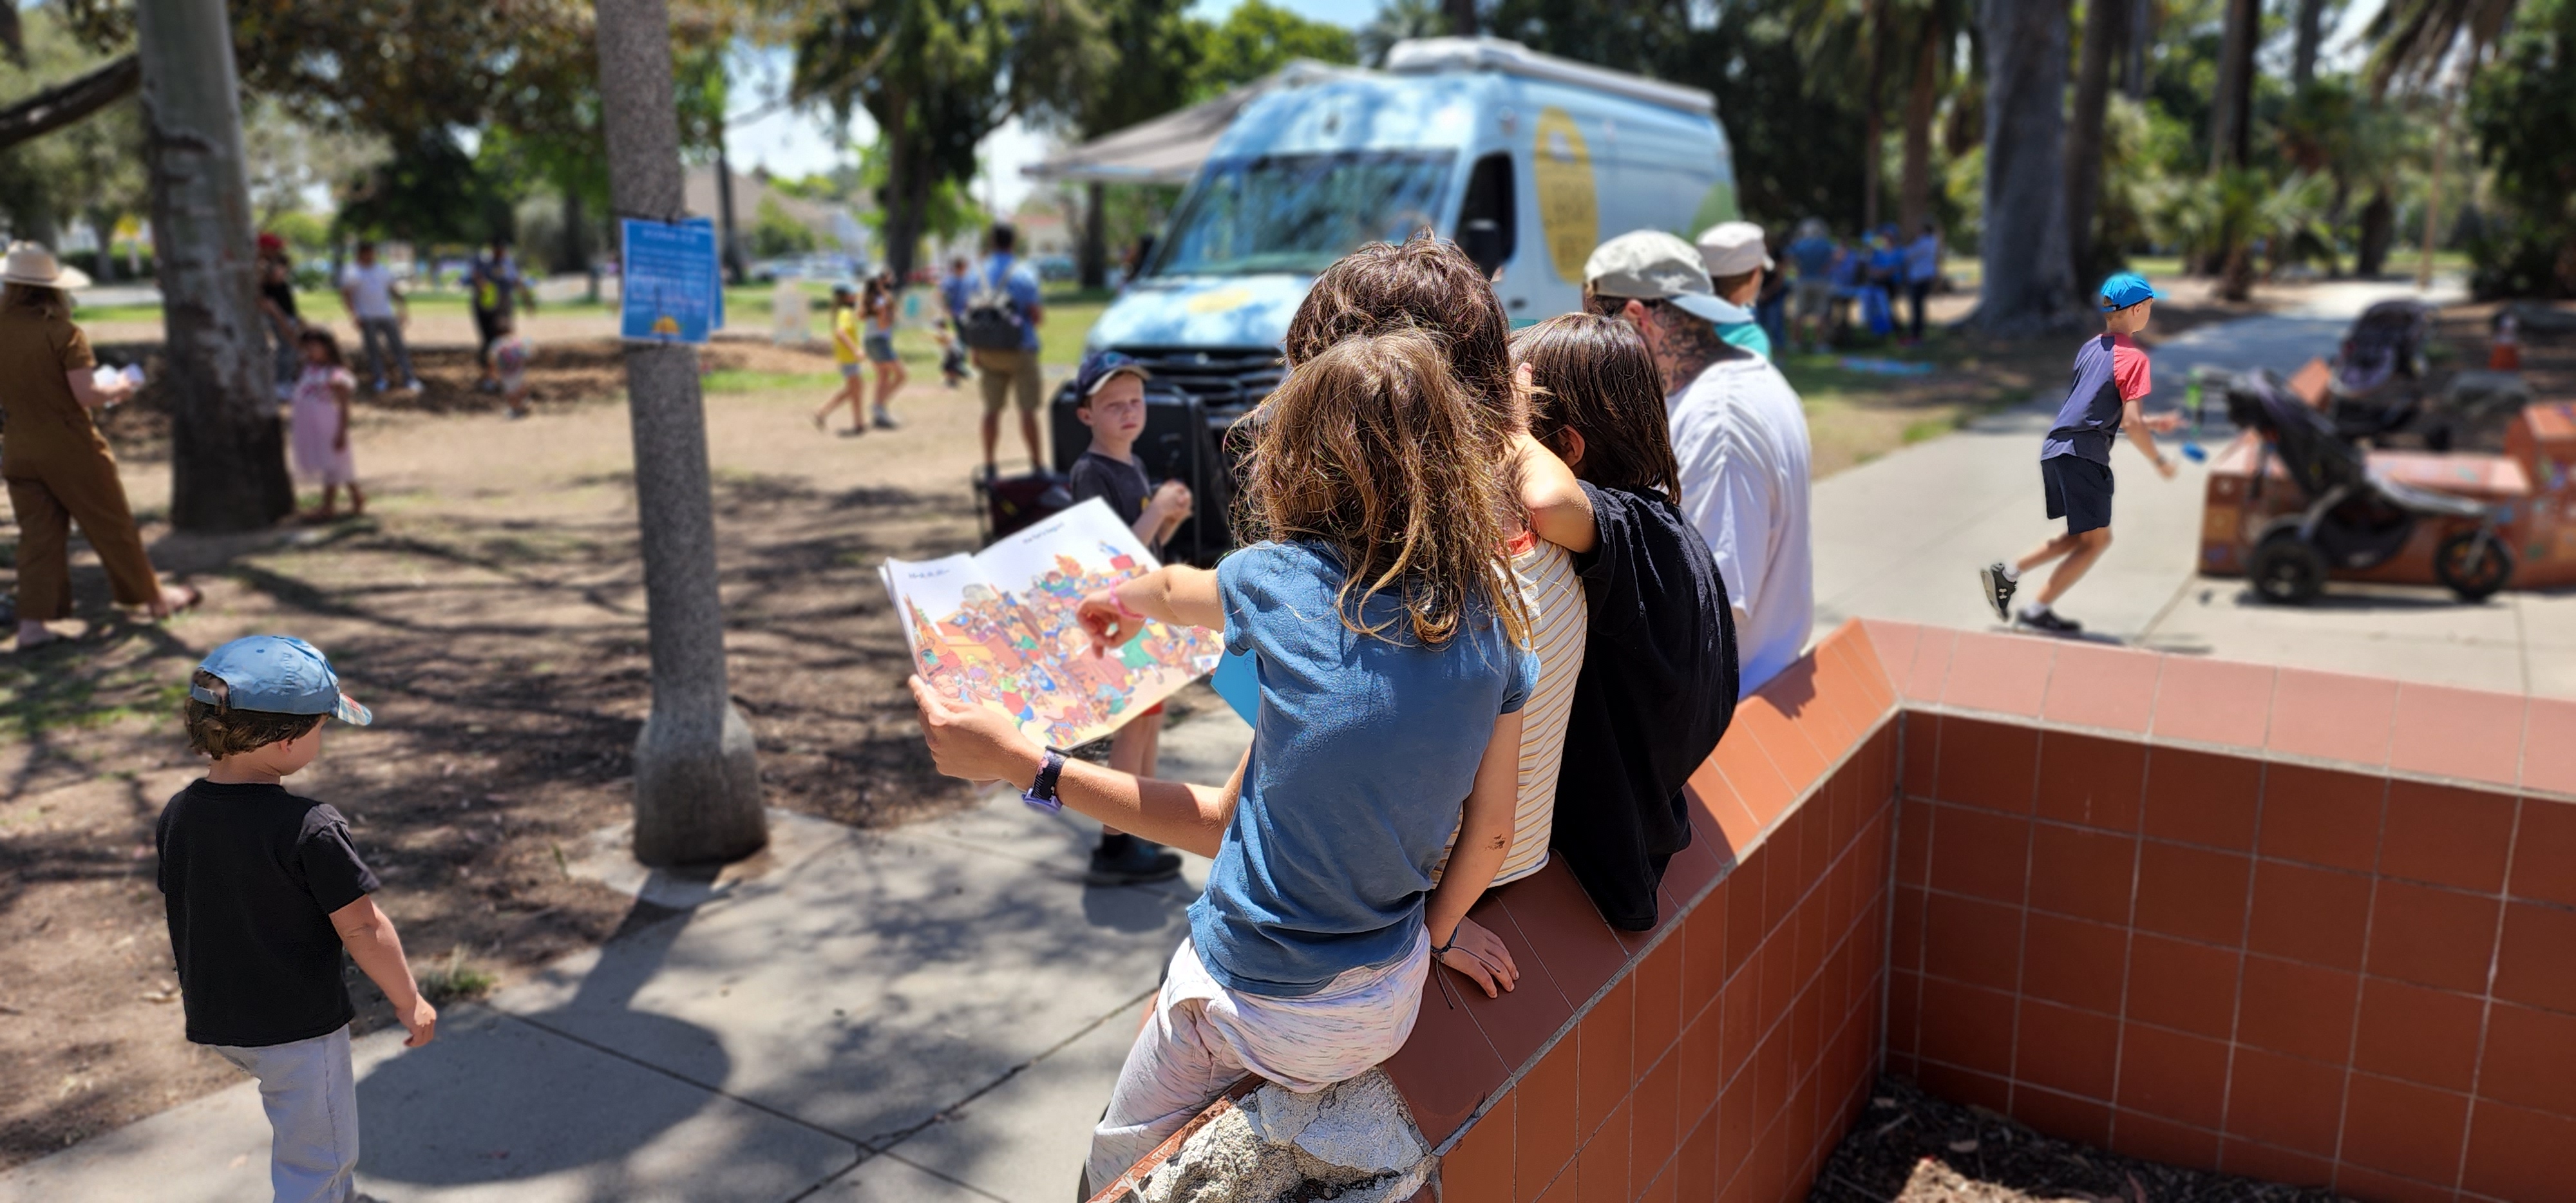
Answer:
(1999, 589)
(2047, 622)
(1131, 862)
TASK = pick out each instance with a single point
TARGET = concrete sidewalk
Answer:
(1902, 537)
(931, 1014)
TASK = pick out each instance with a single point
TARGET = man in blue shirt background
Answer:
(1010, 376)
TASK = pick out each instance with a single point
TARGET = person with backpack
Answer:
(1000, 329)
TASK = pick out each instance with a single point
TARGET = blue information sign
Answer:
(670, 290)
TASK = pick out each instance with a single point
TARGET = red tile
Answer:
(1892, 643)
(2529, 1058)
(1546, 1122)
(1736, 1129)
(1770, 1073)
(2313, 915)
(1601, 1166)
(1656, 1132)
(1758, 785)
(1701, 1066)
(2428, 1037)
(2175, 984)
(2465, 733)
(2401, 1128)
(2449, 837)
(2302, 1010)
(2322, 816)
(1660, 1190)
(2089, 781)
(2354, 1182)
(1989, 765)
(1980, 853)
(2333, 716)
(1744, 920)
(1690, 874)
(2245, 1159)
(2102, 687)
(1445, 1069)
(2067, 1118)
(1804, 693)
(1923, 679)
(1703, 955)
(1605, 1042)
(1990, 1091)
(1791, 752)
(2536, 965)
(2195, 893)
(1967, 1027)
(2548, 755)
(1521, 1020)
(1557, 1190)
(2007, 674)
(1481, 1166)
(2066, 1050)
(1695, 1167)
(2213, 702)
(1565, 934)
(2432, 937)
(1970, 941)
(2173, 1076)
(1913, 842)
(2079, 964)
(2152, 1138)
(1918, 768)
(1659, 1001)
(1904, 1018)
(2202, 798)
(2285, 1101)
(2518, 1154)
(2544, 845)
(2082, 873)
(1905, 949)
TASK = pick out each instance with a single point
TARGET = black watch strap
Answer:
(1041, 793)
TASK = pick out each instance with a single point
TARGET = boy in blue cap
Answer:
(263, 891)
(2111, 382)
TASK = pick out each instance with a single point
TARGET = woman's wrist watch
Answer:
(1041, 793)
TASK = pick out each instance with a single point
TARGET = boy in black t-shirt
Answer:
(1109, 397)
(263, 891)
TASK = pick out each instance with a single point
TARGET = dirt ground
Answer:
(489, 607)
(1912, 1147)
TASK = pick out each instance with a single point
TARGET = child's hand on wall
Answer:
(1477, 952)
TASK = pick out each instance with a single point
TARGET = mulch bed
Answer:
(1912, 1147)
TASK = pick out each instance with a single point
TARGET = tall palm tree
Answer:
(2029, 285)
(2105, 29)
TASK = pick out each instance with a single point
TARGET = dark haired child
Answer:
(321, 421)
(263, 892)
(2111, 381)
(1657, 686)
(1109, 397)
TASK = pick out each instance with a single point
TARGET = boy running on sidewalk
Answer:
(2111, 382)
(263, 891)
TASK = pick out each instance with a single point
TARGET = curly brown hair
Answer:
(1424, 283)
(1592, 375)
(216, 729)
(1372, 449)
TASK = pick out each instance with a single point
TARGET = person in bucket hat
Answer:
(263, 890)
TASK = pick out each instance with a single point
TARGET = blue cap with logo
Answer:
(1099, 367)
(2124, 289)
(277, 674)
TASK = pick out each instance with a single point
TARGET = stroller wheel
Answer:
(2473, 564)
(2286, 569)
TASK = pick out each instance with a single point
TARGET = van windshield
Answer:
(1299, 213)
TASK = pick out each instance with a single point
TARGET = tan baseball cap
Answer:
(1732, 248)
(1651, 265)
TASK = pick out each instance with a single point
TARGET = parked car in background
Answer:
(1056, 267)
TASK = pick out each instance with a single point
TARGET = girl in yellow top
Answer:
(845, 355)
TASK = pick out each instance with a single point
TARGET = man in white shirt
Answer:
(1739, 436)
(376, 300)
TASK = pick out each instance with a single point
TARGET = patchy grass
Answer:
(455, 979)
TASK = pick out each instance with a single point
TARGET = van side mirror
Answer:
(1482, 239)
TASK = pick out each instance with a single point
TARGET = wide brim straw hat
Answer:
(31, 263)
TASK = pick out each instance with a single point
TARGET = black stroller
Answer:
(2354, 518)
(2379, 377)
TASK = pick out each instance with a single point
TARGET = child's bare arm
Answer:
(368, 933)
(1173, 593)
(1484, 839)
(1559, 512)
(980, 744)
(2133, 417)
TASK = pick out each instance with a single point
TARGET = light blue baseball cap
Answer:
(2124, 289)
(277, 674)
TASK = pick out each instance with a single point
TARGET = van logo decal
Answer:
(1569, 208)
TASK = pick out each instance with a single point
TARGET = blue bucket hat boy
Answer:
(277, 674)
(2124, 289)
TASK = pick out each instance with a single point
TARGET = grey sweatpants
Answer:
(380, 336)
(311, 1097)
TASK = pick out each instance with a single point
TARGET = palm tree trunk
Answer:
(227, 452)
(2378, 230)
(2102, 22)
(2136, 77)
(2303, 54)
(2231, 113)
(2028, 287)
(1874, 22)
(1094, 263)
(1914, 186)
(1462, 17)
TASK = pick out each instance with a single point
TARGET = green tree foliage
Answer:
(1256, 39)
(91, 170)
(774, 232)
(2533, 250)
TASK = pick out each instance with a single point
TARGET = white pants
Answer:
(1202, 1038)
(311, 1097)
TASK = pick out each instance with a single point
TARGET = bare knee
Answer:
(2094, 540)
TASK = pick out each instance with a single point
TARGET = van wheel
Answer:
(2473, 564)
(2286, 569)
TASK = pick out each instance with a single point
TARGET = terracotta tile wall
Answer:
(2295, 926)
(1722, 1055)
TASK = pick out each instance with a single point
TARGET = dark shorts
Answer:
(2079, 491)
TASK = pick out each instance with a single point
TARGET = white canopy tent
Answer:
(1169, 148)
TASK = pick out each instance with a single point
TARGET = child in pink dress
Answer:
(321, 422)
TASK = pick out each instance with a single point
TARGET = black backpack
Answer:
(992, 321)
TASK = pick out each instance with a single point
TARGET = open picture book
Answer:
(997, 628)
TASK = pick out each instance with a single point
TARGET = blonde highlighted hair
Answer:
(1373, 450)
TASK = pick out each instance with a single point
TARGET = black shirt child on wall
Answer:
(250, 875)
(1121, 483)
